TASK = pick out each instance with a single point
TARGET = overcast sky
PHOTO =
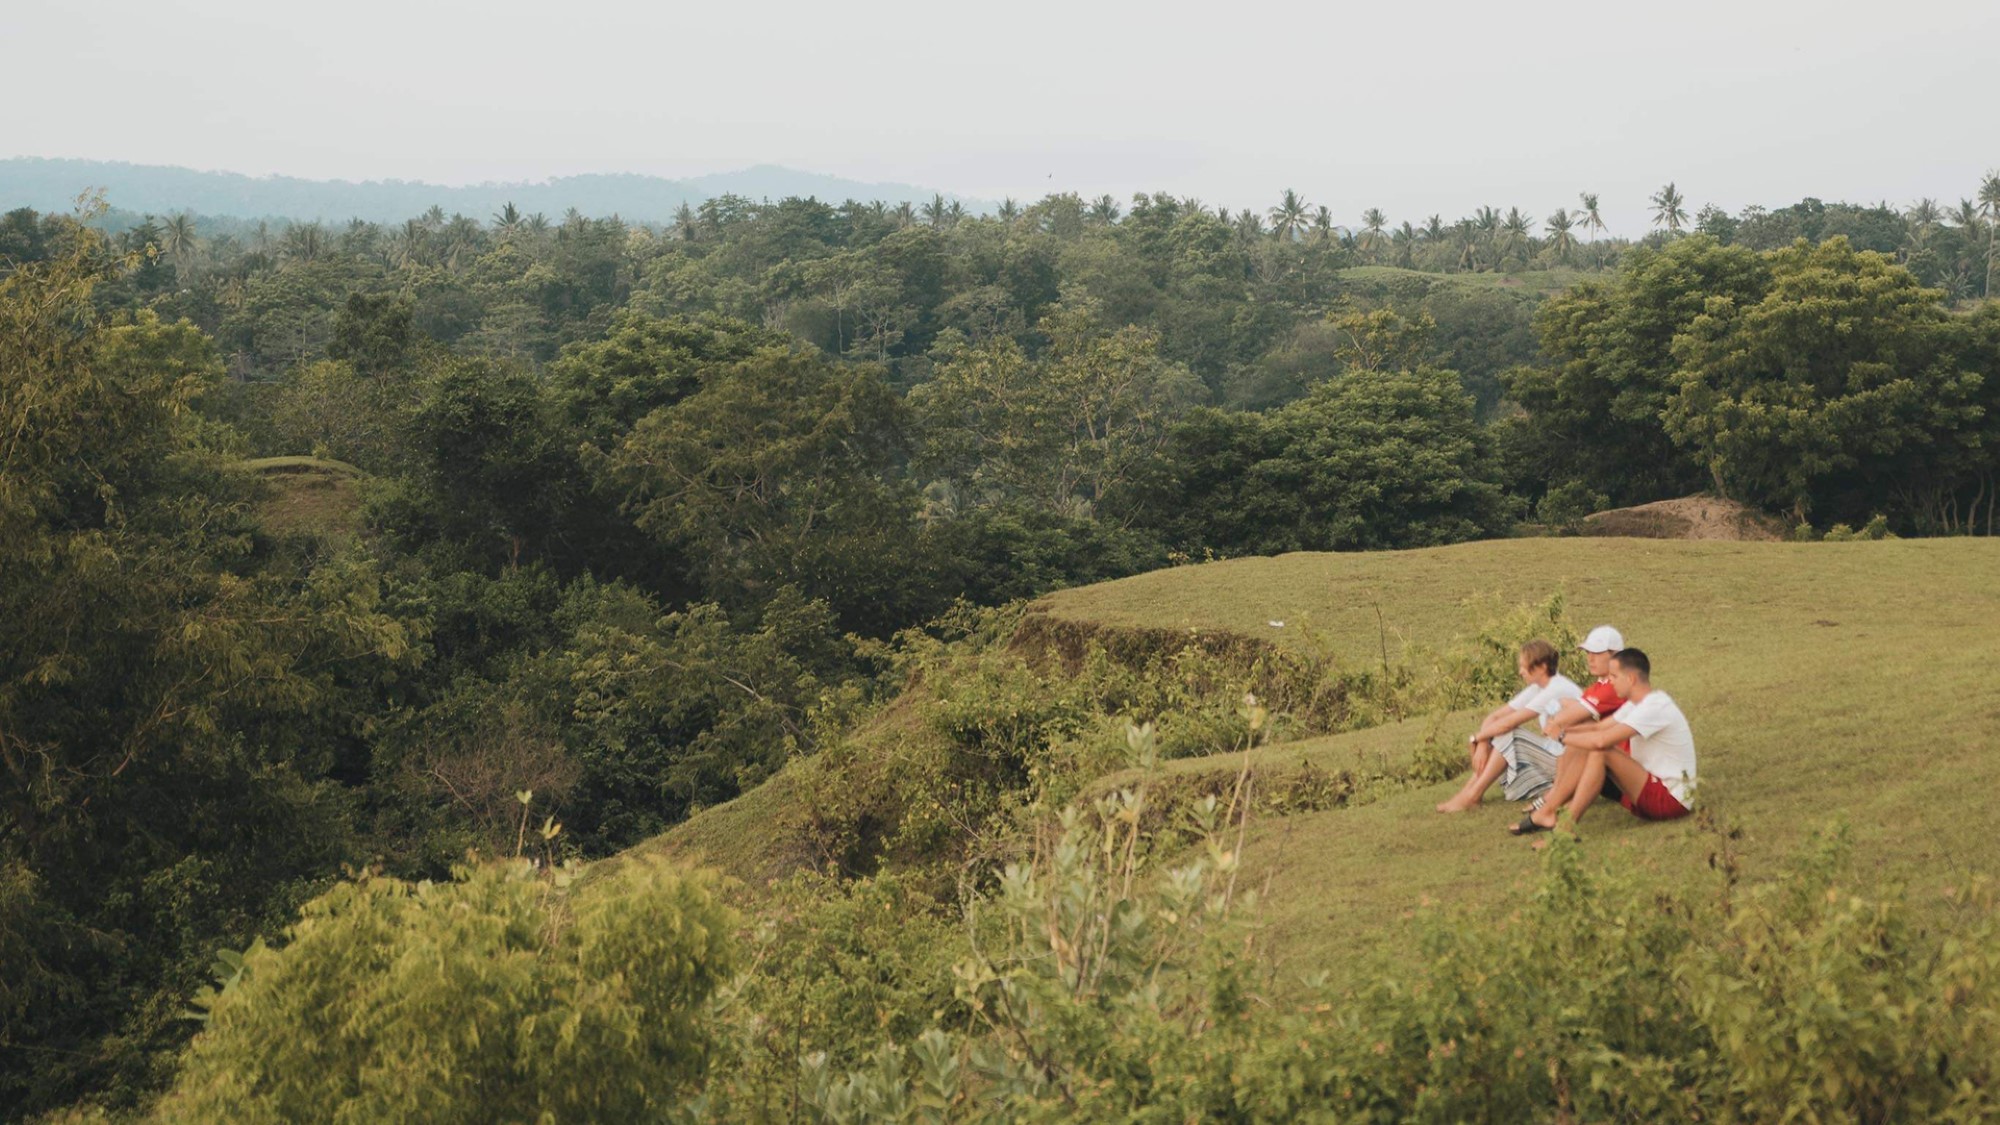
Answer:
(1413, 107)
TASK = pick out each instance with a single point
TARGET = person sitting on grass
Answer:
(1503, 744)
(1656, 781)
(1598, 701)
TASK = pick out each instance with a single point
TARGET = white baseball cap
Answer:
(1603, 639)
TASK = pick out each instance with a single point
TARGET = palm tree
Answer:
(906, 214)
(178, 242)
(1989, 206)
(1922, 218)
(538, 223)
(1372, 236)
(1009, 210)
(1486, 221)
(685, 226)
(1669, 209)
(1104, 211)
(1518, 234)
(1322, 224)
(1561, 238)
(1405, 239)
(1592, 220)
(1288, 218)
(507, 220)
(304, 243)
(1434, 229)
(934, 211)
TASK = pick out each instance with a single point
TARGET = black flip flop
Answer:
(1527, 827)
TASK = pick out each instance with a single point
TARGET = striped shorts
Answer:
(1531, 763)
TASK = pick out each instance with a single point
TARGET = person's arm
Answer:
(1601, 736)
(1574, 713)
(1504, 720)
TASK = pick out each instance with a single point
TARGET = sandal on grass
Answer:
(1527, 827)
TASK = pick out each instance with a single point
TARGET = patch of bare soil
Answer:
(1690, 517)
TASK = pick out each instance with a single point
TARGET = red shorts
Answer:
(1654, 802)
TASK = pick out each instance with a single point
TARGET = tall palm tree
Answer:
(1009, 210)
(1486, 221)
(1989, 206)
(1562, 238)
(304, 243)
(1518, 234)
(1669, 209)
(1289, 217)
(906, 214)
(1434, 229)
(1405, 238)
(935, 210)
(1104, 211)
(178, 242)
(1920, 220)
(1372, 235)
(1322, 223)
(1593, 220)
(507, 221)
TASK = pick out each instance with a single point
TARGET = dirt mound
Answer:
(1690, 517)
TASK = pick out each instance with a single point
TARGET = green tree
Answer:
(1669, 209)
(1593, 409)
(780, 471)
(1593, 218)
(1562, 239)
(498, 996)
(169, 710)
(1818, 397)
(1291, 216)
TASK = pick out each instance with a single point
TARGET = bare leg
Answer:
(1569, 777)
(1482, 752)
(1630, 776)
(1475, 787)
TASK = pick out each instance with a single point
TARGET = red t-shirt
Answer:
(1603, 701)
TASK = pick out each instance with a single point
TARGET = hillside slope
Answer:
(1826, 683)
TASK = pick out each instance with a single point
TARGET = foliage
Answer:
(171, 711)
(1595, 408)
(1829, 389)
(502, 995)
(1372, 459)
(1123, 992)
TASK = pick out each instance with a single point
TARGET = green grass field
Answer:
(308, 495)
(1851, 682)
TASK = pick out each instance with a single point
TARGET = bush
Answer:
(501, 996)
(1119, 994)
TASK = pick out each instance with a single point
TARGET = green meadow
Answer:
(1826, 683)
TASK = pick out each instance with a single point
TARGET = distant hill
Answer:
(53, 185)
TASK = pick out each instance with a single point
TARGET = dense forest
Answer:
(619, 518)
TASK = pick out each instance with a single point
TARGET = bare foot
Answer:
(1456, 804)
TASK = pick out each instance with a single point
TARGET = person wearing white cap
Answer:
(1654, 779)
(1505, 744)
(1601, 698)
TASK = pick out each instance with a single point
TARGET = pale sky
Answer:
(1422, 106)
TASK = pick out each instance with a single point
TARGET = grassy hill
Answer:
(308, 495)
(1847, 682)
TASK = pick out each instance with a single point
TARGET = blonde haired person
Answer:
(1504, 744)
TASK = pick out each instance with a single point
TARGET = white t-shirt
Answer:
(1664, 745)
(1547, 700)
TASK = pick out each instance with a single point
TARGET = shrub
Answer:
(500, 996)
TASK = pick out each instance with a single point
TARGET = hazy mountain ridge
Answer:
(53, 185)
